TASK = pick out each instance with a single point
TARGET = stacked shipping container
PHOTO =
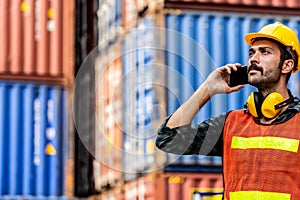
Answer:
(119, 54)
(170, 185)
(36, 73)
(194, 41)
(142, 79)
(108, 136)
(32, 34)
(34, 139)
(108, 101)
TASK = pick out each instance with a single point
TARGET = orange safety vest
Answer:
(261, 161)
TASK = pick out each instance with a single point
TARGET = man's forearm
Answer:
(186, 112)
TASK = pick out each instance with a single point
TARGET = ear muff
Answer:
(258, 107)
(254, 104)
(268, 108)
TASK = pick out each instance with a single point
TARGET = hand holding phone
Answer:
(239, 77)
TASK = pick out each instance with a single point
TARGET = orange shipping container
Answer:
(37, 40)
(108, 164)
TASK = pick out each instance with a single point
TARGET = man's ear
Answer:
(287, 66)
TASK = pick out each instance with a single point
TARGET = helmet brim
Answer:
(251, 36)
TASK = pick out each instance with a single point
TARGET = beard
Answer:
(267, 78)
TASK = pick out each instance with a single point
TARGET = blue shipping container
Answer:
(216, 39)
(33, 139)
(109, 15)
(139, 99)
(197, 43)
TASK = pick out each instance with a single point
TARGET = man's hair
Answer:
(286, 52)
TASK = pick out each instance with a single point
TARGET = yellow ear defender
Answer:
(268, 107)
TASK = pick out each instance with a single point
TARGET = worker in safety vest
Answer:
(259, 144)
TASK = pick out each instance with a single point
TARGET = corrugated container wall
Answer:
(170, 186)
(115, 17)
(34, 131)
(143, 97)
(37, 38)
(108, 137)
(109, 23)
(268, 3)
(123, 23)
(199, 42)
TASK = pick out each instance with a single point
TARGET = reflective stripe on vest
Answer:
(278, 143)
(257, 195)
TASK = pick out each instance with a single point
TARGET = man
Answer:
(259, 144)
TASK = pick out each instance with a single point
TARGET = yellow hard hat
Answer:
(279, 32)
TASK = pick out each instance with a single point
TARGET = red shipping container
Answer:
(37, 40)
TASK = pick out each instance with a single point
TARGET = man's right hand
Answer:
(217, 81)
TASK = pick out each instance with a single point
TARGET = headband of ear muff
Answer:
(259, 106)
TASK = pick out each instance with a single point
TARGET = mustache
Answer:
(255, 67)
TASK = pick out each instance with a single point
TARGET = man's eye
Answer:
(264, 51)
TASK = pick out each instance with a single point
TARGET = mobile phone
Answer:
(239, 77)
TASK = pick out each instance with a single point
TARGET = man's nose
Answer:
(255, 58)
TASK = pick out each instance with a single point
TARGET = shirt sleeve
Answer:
(202, 139)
